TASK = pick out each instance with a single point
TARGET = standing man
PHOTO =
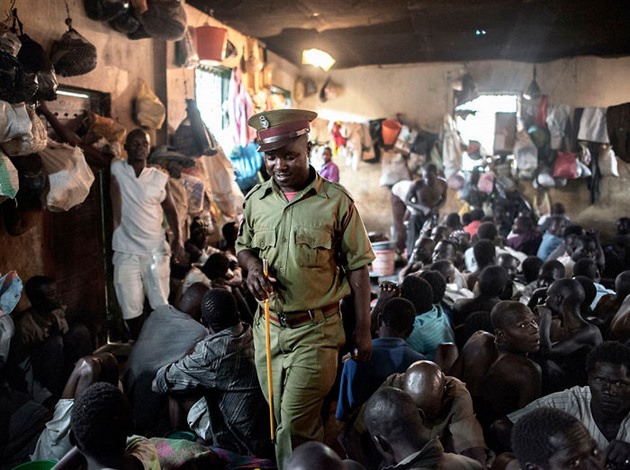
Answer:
(311, 234)
(140, 200)
(423, 200)
(329, 170)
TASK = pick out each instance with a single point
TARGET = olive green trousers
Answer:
(304, 367)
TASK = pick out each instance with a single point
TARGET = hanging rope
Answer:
(68, 19)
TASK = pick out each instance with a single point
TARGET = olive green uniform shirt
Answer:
(309, 242)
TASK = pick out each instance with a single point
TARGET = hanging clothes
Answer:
(240, 109)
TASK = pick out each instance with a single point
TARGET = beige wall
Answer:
(422, 94)
(121, 65)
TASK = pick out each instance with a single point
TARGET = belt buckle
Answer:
(283, 319)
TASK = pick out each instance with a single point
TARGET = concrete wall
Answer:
(421, 95)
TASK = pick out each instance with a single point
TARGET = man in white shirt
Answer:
(140, 200)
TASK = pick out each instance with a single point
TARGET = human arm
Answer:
(72, 460)
(411, 199)
(258, 284)
(193, 371)
(388, 290)
(93, 156)
(88, 370)
(114, 193)
(177, 245)
(620, 324)
(465, 429)
(359, 280)
(587, 335)
(617, 454)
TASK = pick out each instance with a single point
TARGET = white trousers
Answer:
(138, 275)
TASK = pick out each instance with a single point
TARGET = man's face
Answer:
(557, 226)
(575, 449)
(288, 165)
(327, 155)
(443, 251)
(554, 299)
(610, 388)
(585, 249)
(510, 264)
(522, 335)
(49, 299)
(137, 147)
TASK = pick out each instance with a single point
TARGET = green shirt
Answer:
(309, 242)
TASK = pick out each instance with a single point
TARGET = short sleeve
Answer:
(355, 244)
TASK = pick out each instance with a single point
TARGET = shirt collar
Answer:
(316, 186)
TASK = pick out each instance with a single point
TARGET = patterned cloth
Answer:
(577, 402)
(223, 366)
(429, 330)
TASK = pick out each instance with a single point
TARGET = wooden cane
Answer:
(268, 351)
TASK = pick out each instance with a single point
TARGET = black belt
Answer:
(299, 318)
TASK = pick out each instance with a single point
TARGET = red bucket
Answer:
(211, 42)
(390, 130)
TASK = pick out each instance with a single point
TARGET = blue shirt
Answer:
(547, 245)
(429, 330)
(359, 380)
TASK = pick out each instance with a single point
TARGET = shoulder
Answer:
(336, 190)
(254, 190)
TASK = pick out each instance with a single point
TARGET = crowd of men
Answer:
(489, 351)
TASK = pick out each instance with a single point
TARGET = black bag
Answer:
(35, 60)
(104, 10)
(72, 54)
(16, 85)
(164, 19)
(125, 23)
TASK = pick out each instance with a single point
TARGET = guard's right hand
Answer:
(258, 284)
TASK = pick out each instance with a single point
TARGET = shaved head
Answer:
(424, 383)
(315, 456)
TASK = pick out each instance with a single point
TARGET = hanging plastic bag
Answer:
(393, 168)
(107, 128)
(526, 155)
(69, 176)
(451, 147)
(246, 162)
(185, 51)
(30, 142)
(9, 179)
(150, 111)
(608, 165)
(195, 190)
(565, 165)
(14, 121)
(192, 137)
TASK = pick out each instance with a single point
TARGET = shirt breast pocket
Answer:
(314, 247)
(264, 240)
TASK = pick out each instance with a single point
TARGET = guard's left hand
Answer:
(363, 346)
(618, 454)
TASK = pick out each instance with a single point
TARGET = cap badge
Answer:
(263, 122)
